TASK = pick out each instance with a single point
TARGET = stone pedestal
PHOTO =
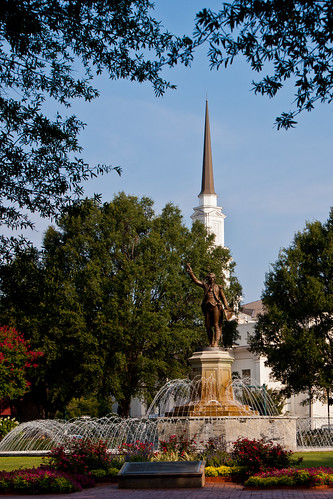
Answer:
(212, 394)
(213, 367)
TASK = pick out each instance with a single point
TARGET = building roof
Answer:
(207, 184)
(253, 309)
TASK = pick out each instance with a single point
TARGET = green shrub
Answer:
(254, 481)
(97, 474)
(301, 477)
(272, 481)
(21, 483)
(224, 471)
(60, 485)
(101, 474)
(239, 470)
(289, 477)
(117, 462)
(112, 472)
(44, 483)
(4, 484)
(6, 425)
(286, 481)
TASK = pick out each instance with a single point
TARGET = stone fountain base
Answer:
(213, 412)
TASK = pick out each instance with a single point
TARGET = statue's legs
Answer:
(212, 323)
(216, 321)
(209, 328)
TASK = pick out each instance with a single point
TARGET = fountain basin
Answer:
(280, 429)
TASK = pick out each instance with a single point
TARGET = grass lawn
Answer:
(13, 463)
(315, 459)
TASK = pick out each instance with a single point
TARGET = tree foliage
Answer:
(116, 313)
(16, 360)
(89, 406)
(292, 39)
(296, 331)
(50, 52)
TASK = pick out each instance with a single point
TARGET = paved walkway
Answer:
(210, 491)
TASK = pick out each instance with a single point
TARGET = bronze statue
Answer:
(213, 304)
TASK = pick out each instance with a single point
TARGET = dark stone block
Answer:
(162, 474)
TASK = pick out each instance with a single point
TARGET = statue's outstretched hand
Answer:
(188, 268)
(228, 313)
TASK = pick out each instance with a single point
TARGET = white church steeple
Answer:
(208, 212)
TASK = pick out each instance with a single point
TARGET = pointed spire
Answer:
(208, 213)
(207, 184)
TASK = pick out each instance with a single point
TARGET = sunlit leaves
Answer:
(293, 40)
(50, 53)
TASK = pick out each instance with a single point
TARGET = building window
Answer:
(246, 374)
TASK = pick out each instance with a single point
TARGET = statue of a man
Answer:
(213, 304)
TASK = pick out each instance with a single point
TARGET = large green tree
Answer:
(117, 313)
(291, 40)
(50, 52)
(296, 331)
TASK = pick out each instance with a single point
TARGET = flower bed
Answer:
(81, 462)
(43, 480)
(224, 471)
(69, 468)
(308, 477)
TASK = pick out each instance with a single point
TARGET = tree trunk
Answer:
(124, 408)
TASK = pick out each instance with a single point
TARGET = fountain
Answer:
(163, 417)
(39, 436)
(207, 406)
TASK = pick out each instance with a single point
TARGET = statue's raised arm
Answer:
(192, 276)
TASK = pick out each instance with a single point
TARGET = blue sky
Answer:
(269, 182)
